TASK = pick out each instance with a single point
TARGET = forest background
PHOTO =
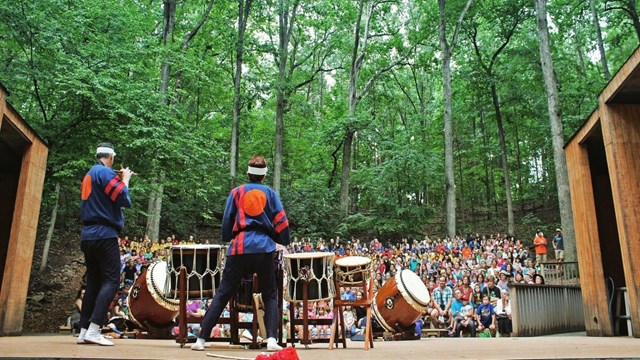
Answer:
(347, 100)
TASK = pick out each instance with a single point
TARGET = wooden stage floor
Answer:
(547, 347)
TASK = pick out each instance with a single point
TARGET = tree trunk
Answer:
(357, 61)
(461, 182)
(169, 20)
(503, 158)
(447, 51)
(353, 102)
(52, 225)
(449, 185)
(633, 14)
(596, 24)
(286, 21)
(244, 6)
(519, 178)
(346, 168)
(562, 179)
(154, 209)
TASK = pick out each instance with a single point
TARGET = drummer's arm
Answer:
(228, 219)
(280, 222)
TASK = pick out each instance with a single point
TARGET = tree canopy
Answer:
(355, 82)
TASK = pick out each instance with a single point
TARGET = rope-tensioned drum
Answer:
(314, 268)
(203, 265)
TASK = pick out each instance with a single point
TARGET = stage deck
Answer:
(547, 347)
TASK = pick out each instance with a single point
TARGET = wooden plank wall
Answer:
(15, 282)
(594, 292)
(621, 133)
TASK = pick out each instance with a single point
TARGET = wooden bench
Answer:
(64, 329)
(434, 333)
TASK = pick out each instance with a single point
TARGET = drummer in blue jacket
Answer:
(254, 221)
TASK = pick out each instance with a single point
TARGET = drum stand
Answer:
(338, 305)
(232, 320)
(305, 321)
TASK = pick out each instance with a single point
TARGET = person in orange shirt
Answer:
(466, 252)
(540, 243)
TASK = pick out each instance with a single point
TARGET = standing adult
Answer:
(104, 194)
(254, 221)
(558, 245)
(540, 242)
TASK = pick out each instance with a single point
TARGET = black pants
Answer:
(505, 326)
(102, 258)
(235, 268)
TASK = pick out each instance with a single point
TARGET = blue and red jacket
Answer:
(103, 197)
(254, 220)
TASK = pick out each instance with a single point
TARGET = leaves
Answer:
(86, 71)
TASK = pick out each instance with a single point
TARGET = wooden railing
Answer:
(561, 273)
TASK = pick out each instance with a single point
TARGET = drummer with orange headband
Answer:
(254, 221)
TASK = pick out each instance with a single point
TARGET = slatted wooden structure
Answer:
(23, 159)
(603, 159)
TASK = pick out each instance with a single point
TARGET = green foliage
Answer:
(86, 71)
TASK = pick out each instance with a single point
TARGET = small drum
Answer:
(147, 305)
(203, 264)
(353, 270)
(314, 268)
(400, 301)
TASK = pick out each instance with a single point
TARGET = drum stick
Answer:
(228, 357)
(120, 172)
(228, 346)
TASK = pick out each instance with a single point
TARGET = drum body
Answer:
(316, 269)
(400, 301)
(203, 264)
(353, 270)
(147, 305)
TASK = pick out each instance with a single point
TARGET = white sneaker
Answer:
(272, 345)
(92, 338)
(80, 338)
(197, 346)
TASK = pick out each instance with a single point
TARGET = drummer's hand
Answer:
(126, 175)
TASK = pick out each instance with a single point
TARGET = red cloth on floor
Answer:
(288, 353)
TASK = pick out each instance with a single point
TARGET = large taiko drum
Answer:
(316, 269)
(203, 264)
(147, 305)
(353, 270)
(400, 301)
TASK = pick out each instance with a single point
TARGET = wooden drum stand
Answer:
(367, 290)
(232, 320)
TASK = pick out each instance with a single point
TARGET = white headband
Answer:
(105, 150)
(257, 171)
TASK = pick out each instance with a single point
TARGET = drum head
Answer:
(410, 285)
(351, 261)
(157, 277)
(196, 247)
